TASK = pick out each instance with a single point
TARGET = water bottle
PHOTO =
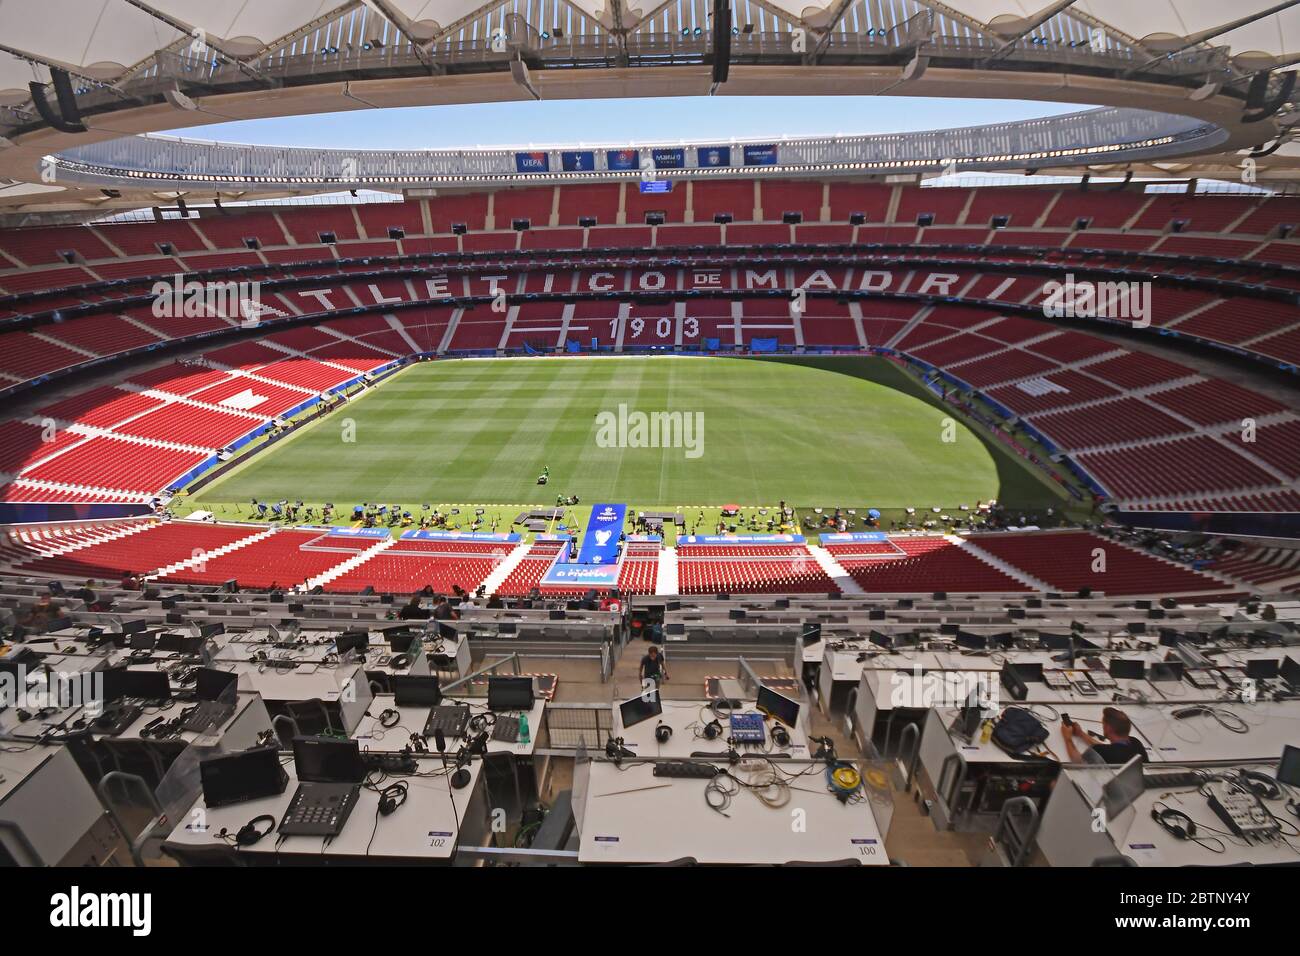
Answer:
(523, 729)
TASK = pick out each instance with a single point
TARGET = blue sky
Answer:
(560, 122)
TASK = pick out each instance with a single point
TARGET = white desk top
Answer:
(20, 762)
(1139, 837)
(633, 816)
(174, 709)
(424, 828)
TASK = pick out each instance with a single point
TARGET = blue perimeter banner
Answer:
(415, 534)
(581, 576)
(600, 543)
(358, 532)
(622, 159)
(760, 155)
(669, 158)
(850, 537)
(741, 539)
(707, 156)
(538, 162)
(578, 161)
(656, 185)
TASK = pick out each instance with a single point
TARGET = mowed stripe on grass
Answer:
(484, 430)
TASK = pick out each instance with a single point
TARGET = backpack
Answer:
(1017, 731)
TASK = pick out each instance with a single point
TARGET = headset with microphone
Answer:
(663, 733)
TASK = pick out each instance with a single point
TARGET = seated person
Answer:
(1119, 746)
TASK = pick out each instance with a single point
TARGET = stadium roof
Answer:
(108, 39)
(146, 65)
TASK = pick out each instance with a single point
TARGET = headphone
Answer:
(1260, 784)
(392, 797)
(1174, 822)
(780, 736)
(663, 733)
(390, 718)
(400, 662)
(712, 730)
(249, 833)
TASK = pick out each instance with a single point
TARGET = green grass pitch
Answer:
(850, 432)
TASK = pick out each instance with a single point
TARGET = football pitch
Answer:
(652, 432)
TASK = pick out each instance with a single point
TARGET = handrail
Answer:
(1020, 842)
(130, 782)
(915, 730)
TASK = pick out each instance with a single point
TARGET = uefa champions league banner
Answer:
(600, 543)
(622, 159)
(415, 534)
(358, 532)
(581, 576)
(854, 537)
(760, 155)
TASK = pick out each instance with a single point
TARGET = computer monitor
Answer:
(1031, 672)
(415, 691)
(1290, 671)
(674, 628)
(1263, 668)
(122, 682)
(352, 641)
(1119, 792)
(968, 718)
(949, 629)
(1166, 671)
(170, 643)
(213, 684)
(404, 643)
(134, 627)
(1288, 769)
(247, 775)
(973, 642)
(778, 706)
(510, 693)
(143, 641)
(1126, 669)
(328, 760)
(640, 708)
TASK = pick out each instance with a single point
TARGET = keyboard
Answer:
(319, 809)
(686, 769)
(1171, 779)
(747, 728)
(207, 713)
(506, 729)
(451, 719)
(116, 718)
